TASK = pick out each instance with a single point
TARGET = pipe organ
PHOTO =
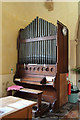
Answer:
(42, 53)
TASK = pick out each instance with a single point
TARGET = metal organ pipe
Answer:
(32, 43)
(36, 42)
(50, 41)
(46, 41)
(34, 32)
(29, 43)
(42, 43)
(48, 45)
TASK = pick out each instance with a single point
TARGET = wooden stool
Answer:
(34, 92)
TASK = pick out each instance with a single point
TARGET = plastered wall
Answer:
(1, 38)
(78, 50)
(0, 49)
(72, 19)
(18, 15)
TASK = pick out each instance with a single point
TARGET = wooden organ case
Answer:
(43, 52)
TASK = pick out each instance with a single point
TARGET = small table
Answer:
(14, 107)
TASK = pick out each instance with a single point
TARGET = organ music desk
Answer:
(14, 107)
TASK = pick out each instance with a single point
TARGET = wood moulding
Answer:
(39, 39)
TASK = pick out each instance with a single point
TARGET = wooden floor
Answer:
(68, 112)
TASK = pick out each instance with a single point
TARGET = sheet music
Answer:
(17, 105)
(32, 64)
(17, 79)
(4, 110)
(21, 104)
(25, 102)
(50, 78)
